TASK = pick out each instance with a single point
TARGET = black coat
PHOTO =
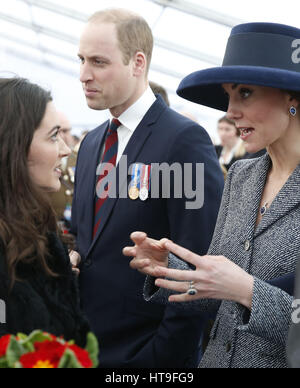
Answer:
(43, 302)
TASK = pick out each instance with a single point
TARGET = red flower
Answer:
(53, 347)
(82, 356)
(47, 355)
(37, 361)
(4, 342)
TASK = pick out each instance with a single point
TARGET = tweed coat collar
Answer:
(287, 199)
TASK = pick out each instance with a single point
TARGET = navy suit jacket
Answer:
(131, 332)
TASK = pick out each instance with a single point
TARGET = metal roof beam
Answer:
(196, 10)
(32, 59)
(84, 17)
(58, 9)
(39, 29)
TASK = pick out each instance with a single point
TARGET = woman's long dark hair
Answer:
(26, 215)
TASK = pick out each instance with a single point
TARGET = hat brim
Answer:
(205, 87)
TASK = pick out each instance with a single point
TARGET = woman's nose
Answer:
(234, 112)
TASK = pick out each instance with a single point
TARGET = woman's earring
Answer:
(293, 111)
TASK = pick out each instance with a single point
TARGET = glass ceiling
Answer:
(39, 40)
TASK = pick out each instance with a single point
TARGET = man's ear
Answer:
(139, 64)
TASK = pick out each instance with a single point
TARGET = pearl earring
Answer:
(293, 111)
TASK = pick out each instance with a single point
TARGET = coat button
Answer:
(247, 245)
(228, 347)
(88, 263)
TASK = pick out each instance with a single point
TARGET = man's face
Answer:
(107, 82)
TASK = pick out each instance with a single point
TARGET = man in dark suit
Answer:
(115, 52)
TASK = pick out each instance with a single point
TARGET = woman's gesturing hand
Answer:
(215, 277)
(148, 254)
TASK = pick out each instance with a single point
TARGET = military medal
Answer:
(144, 193)
(134, 191)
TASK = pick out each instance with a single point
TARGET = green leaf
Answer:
(35, 336)
(39, 336)
(22, 337)
(14, 351)
(92, 347)
(69, 361)
(3, 363)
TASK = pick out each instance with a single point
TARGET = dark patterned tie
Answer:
(109, 159)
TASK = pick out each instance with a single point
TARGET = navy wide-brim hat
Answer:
(264, 54)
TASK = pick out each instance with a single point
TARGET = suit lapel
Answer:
(287, 199)
(132, 151)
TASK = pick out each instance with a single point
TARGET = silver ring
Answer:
(192, 290)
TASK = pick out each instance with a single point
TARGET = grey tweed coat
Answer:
(240, 339)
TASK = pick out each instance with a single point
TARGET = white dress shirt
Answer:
(131, 119)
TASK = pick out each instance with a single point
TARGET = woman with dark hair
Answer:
(36, 278)
(257, 238)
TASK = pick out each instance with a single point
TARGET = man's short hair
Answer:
(134, 33)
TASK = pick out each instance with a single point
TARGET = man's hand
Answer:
(148, 254)
(75, 260)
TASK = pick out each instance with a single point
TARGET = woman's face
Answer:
(260, 113)
(46, 152)
(227, 134)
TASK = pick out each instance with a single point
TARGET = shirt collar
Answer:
(132, 117)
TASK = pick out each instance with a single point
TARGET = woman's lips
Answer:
(58, 171)
(246, 133)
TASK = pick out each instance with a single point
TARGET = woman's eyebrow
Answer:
(57, 127)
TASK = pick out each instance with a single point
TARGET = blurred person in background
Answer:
(82, 136)
(62, 200)
(76, 141)
(232, 147)
(158, 89)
